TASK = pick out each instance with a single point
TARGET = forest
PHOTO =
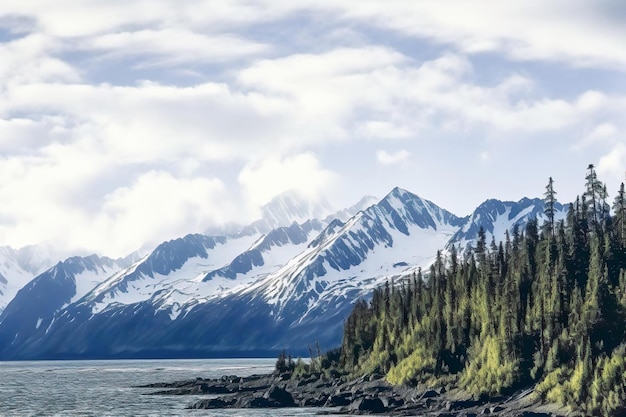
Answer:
(543, 308)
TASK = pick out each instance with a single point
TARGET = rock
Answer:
(392, 402)
(281, 397)
(429, 394)
(260, 402)
(368, 405)
(213, 403)
(318, 401)
(460, 404)
(334, 374)
(496, 409)
(338, 400)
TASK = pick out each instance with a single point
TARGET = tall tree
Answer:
(619, 207)
(549, 202)
(595, 192)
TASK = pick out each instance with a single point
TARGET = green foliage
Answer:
(607, 390)
(551, 388)
(491, 369)
(546, 306)
(413, 368)
(284, 363)
(301, 369)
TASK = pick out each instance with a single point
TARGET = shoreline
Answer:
(337, 395)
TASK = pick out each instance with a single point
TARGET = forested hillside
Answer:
(545, 307)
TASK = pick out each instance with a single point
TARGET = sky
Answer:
(125, 123)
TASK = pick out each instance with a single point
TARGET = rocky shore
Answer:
(367, 395)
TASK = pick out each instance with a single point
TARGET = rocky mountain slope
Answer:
(251, 293)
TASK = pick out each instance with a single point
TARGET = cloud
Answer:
(576, 33)
(613, 165)
(100, 118)
(601, 134)
(261, 180)
(392, 158)
(168, 47)
(30, 59)
(158, 204)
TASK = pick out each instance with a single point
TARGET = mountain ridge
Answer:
(261, 291)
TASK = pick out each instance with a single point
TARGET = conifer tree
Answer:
(545, 308)
(550, 202)
(619, 207)
(595, 192)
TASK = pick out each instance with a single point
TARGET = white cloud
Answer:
(30, 60)
(600, 134)
(392, 158)
(264, 179)
(158, 205)
(613, 165)
(173, 47)
(271, 108)
(578, 33)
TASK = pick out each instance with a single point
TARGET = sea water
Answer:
(109, 388)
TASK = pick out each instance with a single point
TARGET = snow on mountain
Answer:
(37, 302)
(399, 232)
(288, 208)
(346, 213)
(176, 267)
(270, 252)
(496, 217)
(260, 292)
(19, 266)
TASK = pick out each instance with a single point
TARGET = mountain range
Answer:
(286, 281)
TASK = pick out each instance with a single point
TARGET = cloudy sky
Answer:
(126, 122)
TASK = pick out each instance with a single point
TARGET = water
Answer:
(105, 388)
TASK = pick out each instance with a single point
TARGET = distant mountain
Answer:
(19, 266)
(35, 305)
(287, 208)
(346, 213)
(496, 217)
(253, 292)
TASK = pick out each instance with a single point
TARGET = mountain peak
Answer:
(289, 207)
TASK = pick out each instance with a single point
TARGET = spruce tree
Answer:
(619, 208)
(549, 203)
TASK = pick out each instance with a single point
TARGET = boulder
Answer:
(368, 405)
(431, 393)
(213, 403)
(279, 396)
(338, 400)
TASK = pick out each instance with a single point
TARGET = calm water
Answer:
(105, 388)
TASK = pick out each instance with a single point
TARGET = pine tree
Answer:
(619, 207)
(550, 202)
(596, 194)
(546, 308)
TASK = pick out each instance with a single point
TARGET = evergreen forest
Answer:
(543, 308)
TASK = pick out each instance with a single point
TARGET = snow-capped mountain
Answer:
(346, 213)
(35, 305)
(496, 217)
(19, 266)
(255, 293)
(282, 211)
